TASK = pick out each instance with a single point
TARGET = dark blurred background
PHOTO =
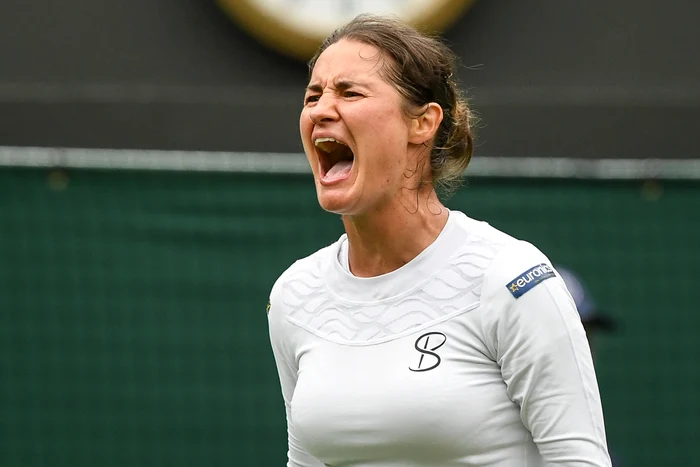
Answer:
(152, 189)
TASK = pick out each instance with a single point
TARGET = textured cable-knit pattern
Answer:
(455, 287)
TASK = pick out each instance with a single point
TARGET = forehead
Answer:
(348, 59)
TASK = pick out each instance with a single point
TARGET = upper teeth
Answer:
(319, 141)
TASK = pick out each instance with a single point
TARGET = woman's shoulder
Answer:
(511, 256)
(310, 269)
(481, 230)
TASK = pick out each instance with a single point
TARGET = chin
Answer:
(336, 201)
(333, 204)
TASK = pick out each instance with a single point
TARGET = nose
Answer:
(325, 110)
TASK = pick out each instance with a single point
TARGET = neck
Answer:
(387, 238)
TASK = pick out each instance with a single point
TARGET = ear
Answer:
(424, 127)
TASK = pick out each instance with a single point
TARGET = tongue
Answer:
(339, 171)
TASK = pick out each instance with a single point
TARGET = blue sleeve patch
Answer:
(529, 279)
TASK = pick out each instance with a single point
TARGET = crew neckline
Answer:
(371, 289)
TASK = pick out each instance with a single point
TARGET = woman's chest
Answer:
(432, 396)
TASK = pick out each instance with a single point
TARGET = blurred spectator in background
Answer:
(594, 320)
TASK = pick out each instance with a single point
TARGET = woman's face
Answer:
(355, 132)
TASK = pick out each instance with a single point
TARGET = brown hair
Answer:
(422, 69)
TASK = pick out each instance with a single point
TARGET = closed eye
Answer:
(351, 94)
(312, 98)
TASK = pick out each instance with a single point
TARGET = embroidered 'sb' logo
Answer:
(427, 344)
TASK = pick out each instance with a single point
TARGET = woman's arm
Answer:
(282, 348)
(535, 334)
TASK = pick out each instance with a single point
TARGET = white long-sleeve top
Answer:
(472, 354)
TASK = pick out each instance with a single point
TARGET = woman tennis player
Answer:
(422, 337)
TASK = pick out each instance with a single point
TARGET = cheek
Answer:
(305, 124)
(305, 129)
(388, 141)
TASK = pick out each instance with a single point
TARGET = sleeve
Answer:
(281, 335)
(535, 334)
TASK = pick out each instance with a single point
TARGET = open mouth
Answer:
(335, 159)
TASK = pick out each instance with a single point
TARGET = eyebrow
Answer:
(339, 85)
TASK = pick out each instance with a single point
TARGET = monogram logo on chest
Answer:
(426, 345)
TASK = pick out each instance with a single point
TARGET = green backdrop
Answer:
(132, 308)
